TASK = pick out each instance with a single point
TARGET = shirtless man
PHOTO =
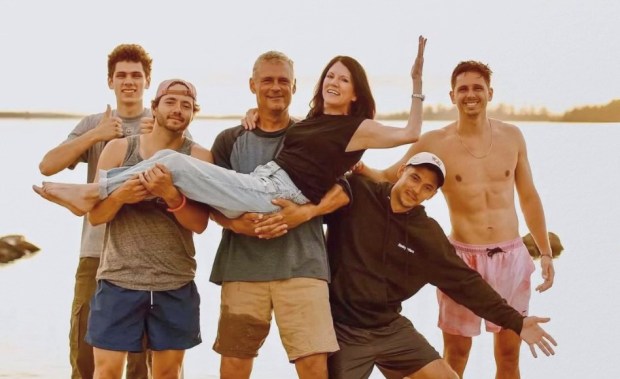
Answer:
(487, 160)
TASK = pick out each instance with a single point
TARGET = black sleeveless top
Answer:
(313, 153)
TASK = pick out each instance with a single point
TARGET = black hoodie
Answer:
(379, 258)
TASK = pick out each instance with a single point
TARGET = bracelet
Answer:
(418, 96)
(183, 202)
(546, 255)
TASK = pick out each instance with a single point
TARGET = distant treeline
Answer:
(38, 115)
(48, 115)
(601, 113)
(597, 113)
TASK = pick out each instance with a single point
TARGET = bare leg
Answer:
(437, 369)
(313, 366)
(78, 198)
(108, 363)
(456, 351)
(235, 368)
(507, 346)
(167, 364)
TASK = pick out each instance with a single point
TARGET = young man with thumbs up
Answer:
(129, 74)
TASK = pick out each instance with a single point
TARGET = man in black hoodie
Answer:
(383, 249)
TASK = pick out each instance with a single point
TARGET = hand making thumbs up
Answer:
(109, 127)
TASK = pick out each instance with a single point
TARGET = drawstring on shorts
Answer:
(493, 251)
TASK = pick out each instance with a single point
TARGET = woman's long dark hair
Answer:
(364, 106)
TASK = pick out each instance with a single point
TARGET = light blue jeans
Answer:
(228, 191)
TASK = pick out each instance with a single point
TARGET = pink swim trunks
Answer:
(506, 266)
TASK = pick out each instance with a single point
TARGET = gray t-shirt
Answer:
(146, 248)
(92, 236)
(299, 253)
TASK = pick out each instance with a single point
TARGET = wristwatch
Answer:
(419, 96)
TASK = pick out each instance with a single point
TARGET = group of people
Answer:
(336, 297)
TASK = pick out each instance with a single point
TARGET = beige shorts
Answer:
(302, 311)
(507, 267)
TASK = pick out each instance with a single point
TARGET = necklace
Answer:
(469, 151)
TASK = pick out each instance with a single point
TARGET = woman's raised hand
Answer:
(416, 70)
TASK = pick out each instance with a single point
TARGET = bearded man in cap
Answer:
(145, 281)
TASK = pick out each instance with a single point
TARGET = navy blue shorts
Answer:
(119, 318)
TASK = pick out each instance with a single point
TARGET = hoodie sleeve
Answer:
(447, 271)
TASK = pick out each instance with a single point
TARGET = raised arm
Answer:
(372, 134)
(533, 213)
(69, 152)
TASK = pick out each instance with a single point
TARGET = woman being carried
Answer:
(315, 152)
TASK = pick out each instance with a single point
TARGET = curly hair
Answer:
(130, 53)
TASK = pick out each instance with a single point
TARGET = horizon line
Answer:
(4, 113)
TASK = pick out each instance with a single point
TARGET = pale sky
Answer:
(553, 53)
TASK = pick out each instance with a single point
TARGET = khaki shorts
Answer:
(302, 311)
(507, 267)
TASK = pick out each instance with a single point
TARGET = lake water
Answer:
(575, 168)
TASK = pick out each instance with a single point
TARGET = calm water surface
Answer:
(575, 169)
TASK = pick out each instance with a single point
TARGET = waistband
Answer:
(270, 167)
(484, 249)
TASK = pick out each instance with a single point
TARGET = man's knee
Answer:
(108, 363)
(437, 369)
(106, 370)
(235, 368)
(312, 366)
(507, 347)
(171, 372)
(457, 345)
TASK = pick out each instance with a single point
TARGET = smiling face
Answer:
(174, 111)
(273, 83)
(128, 82)
(338, 90)
(471, 93)
(349, 90)
(415, 184)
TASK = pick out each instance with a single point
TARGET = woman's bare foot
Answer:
(78, 198)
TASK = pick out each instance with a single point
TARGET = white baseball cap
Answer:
(432, 160)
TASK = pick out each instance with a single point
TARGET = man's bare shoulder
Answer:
(117, 144)
(113, 153)
(507, 129)
(433, 137)
(201, 153)
(503, 125)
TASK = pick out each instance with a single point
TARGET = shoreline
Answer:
(608, 113)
